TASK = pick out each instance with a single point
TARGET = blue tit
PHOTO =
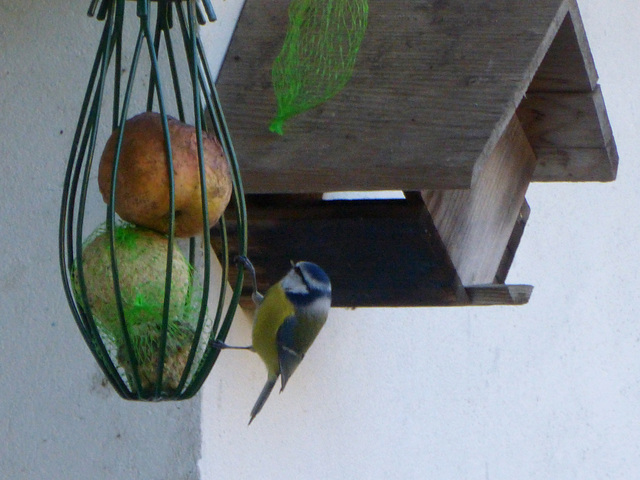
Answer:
(287, 320)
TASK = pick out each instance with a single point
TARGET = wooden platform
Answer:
(376, 252)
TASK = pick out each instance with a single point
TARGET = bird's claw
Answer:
(256, 296)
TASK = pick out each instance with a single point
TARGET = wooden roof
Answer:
(435, 86)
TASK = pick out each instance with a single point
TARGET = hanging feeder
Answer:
(138, 278)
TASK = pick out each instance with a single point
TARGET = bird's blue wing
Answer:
(289, 355)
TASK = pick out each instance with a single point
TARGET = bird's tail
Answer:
(264, 394)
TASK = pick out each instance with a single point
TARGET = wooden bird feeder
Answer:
(460, 104)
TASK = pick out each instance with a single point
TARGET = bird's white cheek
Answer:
(292, 283)
(320, 306)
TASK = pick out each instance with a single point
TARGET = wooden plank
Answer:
(563, 113)
(492, 294)
(512, 244)
(571, 136)
(475, 225)
(563, 119)
(435, 85)
(568, 64)
(376, 252)
(572, 165)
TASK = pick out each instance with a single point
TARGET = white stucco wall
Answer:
(548, 390)
(545, 391)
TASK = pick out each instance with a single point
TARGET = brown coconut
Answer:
(143, 184)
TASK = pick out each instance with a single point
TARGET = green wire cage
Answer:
(141, 304)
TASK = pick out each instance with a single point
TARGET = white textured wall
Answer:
(550, 390)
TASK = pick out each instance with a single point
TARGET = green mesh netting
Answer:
(141, 256)
(318, 55)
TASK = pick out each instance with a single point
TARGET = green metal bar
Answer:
(211, 352)
(241, 216)
(223, 132)
(118, 64)
(192, 57)
(174, 72)
(208, 8)
(143, 8)
(144, 23)
(162, 6)
(104, 8)
(189, 35)
(69, 190)
(111, 222)
(221, 129)
(88, 147)
(92, 8)
(165, 26)
(95, 342)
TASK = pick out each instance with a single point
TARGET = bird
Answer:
(287, 320)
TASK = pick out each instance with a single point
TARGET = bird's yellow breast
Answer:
(271, 313)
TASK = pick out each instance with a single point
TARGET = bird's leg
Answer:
(224, 346)
(256, 296)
